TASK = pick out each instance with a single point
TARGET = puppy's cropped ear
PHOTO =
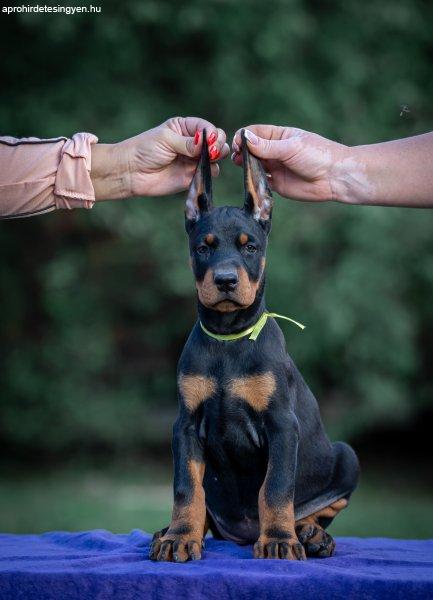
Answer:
(199, 198)
(258, 195)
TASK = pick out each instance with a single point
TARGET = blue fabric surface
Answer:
(99, 564)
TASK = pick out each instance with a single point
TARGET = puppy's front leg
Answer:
(276, 512)
(183, 538)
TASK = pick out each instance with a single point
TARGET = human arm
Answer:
(40, 175)
(157, 162)
(307, 166)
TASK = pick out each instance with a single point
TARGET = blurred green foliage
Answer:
(96, 305)
(121, 497)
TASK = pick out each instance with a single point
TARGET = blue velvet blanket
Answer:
(99, 564)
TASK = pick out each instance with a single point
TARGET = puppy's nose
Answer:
(227, 280)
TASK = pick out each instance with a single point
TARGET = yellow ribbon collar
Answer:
(253, 332)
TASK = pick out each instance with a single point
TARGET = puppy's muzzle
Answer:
(226, 280)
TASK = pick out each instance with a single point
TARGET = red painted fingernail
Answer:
(212, 138)
(213, 152)
(196, 138)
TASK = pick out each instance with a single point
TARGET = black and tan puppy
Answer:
(252, 460)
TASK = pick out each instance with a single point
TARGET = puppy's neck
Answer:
(224, 323)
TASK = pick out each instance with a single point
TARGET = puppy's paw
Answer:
(159, 534)
(316, 541)
(174, 547)
(287, 548)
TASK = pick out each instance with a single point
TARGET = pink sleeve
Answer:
(37, 176)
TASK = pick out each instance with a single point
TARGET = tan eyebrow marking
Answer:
(243, 239)
(209, 239)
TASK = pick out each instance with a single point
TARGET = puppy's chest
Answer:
(229, 407)
(227, 392)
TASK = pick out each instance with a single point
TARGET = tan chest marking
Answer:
(195, 389)
(256, 390)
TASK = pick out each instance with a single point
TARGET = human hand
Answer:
(301, 165)
(156, 162)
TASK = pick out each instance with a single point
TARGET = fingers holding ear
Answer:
(182, 144)
(265, 148)
(189, 125)
(268, 132)
(221, 145)
(268, 142)
(237, 158)
(185, 136)
(216, 142)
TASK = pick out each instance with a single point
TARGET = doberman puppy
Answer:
(252, 461)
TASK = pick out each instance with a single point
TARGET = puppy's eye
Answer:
(202, 249)
(251, 248)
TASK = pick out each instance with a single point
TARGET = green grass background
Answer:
(125, 497)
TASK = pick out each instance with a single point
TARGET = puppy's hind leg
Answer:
(317, 542)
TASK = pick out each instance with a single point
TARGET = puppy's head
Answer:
(228, 244)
